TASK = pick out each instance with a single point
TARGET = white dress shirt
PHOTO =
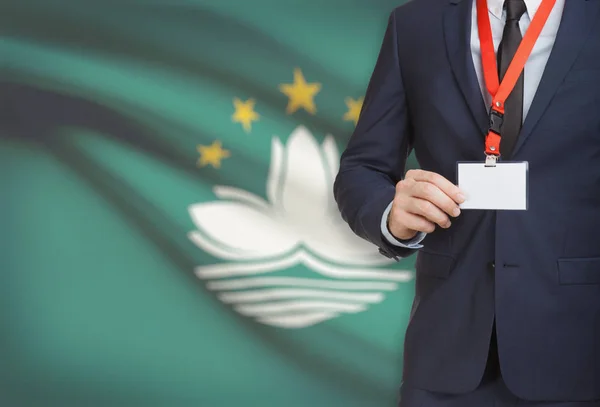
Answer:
(534, 68)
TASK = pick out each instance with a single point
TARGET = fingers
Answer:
(428, 211)
(415, 222)
(410, 222)
(425, 199)
(439, 181)
(431, 201)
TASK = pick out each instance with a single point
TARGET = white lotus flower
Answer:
(299, 223)
(300, 211)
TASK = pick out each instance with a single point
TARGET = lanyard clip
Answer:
(490, 160)
(492, 141)
(496, 120)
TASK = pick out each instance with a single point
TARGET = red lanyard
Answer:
(501, 91)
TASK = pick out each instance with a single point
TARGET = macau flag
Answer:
(169, 234)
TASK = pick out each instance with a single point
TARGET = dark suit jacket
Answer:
(544, 289)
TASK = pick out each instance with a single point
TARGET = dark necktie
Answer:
(513, 106)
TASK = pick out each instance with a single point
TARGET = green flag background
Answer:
(157, 251)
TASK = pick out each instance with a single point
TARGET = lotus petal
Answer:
(332, 156)
(275, 173)
(334, 241)
(209, 246)
(236, 194)
(332, 159)
(305, 180)
(239, 231)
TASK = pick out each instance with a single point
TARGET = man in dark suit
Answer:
(507, 303)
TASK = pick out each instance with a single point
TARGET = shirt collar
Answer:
(496, 7)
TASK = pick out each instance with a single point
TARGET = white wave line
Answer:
(297, 321)
(276, 294)
(252, 282)
(298, 257)
(347, 272)
(285, 307)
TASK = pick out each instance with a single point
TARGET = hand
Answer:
(423, 200)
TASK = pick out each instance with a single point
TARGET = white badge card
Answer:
(499, 187)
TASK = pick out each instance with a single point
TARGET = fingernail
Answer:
(447, 225)
(456, 212)
(461, 198)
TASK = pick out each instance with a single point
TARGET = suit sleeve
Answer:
(375, 158)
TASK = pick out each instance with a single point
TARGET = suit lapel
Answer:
(457, 34)
(577, 19)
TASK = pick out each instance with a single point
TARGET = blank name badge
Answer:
(502, 186)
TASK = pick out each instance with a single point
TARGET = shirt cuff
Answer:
(413, 243)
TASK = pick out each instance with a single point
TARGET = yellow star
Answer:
(300, 93)
(353, 112)
(244, 113)
(212, 154)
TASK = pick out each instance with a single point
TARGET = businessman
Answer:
(507, 302)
